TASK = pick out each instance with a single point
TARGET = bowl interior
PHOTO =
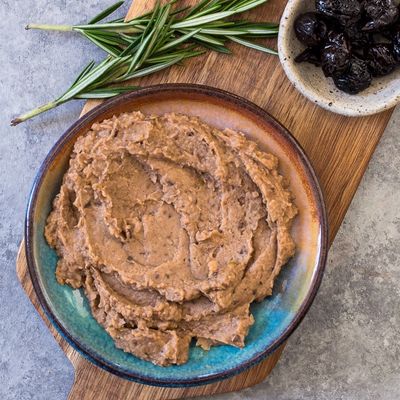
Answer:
(275, 317)
(384, 92)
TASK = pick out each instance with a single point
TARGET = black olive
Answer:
(335, 56)
(380, 14)
(380, 59)
(356, 36)
(356, 79)
(390, 31)
(310, 29)
(396, 46)
(310, 55)
(344, 11)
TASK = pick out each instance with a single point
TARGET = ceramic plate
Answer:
(276, 317)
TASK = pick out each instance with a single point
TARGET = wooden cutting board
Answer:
(339, 148)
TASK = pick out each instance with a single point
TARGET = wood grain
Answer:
(339, 148)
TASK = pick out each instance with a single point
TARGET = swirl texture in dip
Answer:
(172, 228)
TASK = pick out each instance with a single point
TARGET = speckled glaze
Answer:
(276, 317)
(384, 93)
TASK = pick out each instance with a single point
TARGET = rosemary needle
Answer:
(155, 41)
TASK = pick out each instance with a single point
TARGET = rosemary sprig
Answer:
(155, 41)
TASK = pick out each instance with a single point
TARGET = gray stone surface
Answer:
(348, 346)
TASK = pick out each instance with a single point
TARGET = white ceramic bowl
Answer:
(384, 93)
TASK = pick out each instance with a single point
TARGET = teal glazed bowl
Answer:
(275, 318)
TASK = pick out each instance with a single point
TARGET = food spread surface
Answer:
(172, 228)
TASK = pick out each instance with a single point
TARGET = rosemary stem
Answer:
(34, 112)
(154, 41)
(62, 28)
